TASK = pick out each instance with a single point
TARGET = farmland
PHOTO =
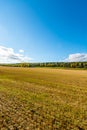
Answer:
(43, 99)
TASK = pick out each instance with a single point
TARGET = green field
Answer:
(43, 99)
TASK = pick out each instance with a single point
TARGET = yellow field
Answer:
(43, 99)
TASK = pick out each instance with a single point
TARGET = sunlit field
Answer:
(43, 99)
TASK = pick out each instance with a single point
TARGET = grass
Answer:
(43, 99)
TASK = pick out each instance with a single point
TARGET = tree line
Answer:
(50, 64)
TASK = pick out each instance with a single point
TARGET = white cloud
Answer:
(77, 57)
(21, 51)
(7, 55)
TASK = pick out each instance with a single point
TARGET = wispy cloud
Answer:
(76, 57)
(21, 51)
(7, 55)
(4, 36)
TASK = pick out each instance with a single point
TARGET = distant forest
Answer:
(50, 64)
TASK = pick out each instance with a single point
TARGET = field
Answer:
(43, 99)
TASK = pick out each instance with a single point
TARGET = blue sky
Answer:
(47, 30)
